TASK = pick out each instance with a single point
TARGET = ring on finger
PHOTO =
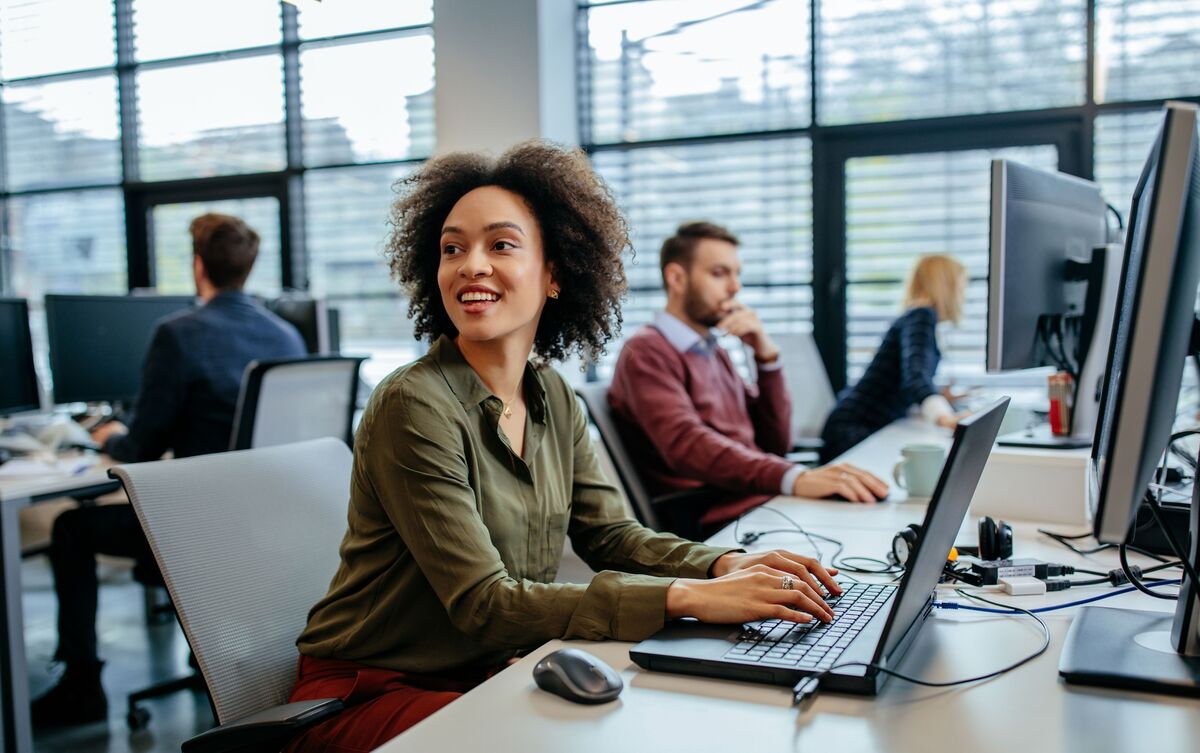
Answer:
(786, 583)
(844, 475)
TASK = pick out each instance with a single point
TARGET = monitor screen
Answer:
(1039, 221)
(316, 322)
(18, 379)
(1152, 327)
(98, 343)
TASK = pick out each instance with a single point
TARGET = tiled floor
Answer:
(136, 655)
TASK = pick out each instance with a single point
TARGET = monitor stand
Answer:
(1155, 652)
(1128, 650)
(1040, 437)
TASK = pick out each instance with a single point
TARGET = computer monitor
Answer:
(1150, 341)
(98, 343)
(1051, 285)
(18, 378)
(1039, 221)
(316, 321)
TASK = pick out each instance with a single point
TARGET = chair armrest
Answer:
(277, 724)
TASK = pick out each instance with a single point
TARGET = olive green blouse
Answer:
(453, 541)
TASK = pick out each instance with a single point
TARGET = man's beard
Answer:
(698, 311)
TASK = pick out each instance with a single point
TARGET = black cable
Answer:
(1120, 219)
(949, 683)
(1065, 540)
(1175, 547)
(1135, 581)
(842, 564)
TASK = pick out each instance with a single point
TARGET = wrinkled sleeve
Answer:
(606, 538)
(918, 356)
(770, 409)
(421, 475)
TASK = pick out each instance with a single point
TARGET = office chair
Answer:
(247, 542)
(810, 390)
(325, 389)
(677, 512)
(292, 399)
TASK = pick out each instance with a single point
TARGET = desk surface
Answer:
(17, 492)
(1029, 709)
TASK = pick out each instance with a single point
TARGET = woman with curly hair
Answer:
(473, 464)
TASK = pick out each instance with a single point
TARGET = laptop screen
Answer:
(973, 442)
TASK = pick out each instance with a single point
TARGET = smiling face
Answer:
(493, 274)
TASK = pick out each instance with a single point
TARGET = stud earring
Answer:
(553, 294)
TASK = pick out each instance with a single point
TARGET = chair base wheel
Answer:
(137, 718)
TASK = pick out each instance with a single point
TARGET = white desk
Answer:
(1028, 709)
(15, 493)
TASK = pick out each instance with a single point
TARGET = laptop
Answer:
(874, 623)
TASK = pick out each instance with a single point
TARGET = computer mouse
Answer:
(577, 676)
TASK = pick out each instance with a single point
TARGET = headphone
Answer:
(995, 542)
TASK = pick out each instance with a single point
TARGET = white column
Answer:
(505, 72)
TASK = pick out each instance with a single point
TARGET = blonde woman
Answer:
(901, 374)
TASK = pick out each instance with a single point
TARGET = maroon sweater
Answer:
(689, 420)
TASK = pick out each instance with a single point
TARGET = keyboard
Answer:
(815, 645)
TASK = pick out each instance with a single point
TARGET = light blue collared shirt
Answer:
(682, 337)
(687, 340)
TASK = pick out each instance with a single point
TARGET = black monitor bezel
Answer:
(24, 361)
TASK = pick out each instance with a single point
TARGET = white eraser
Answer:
(1023, 585)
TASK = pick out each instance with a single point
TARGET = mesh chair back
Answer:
(290, 400)
(808, 383)
(595, 397)
(247, 542)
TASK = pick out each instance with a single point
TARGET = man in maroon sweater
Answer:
(686, 416)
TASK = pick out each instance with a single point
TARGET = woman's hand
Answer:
(753, 593)
(845, 480)
(806, 569)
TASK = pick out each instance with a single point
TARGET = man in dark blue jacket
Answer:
(190, 382)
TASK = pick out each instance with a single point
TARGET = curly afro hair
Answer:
(583, 235)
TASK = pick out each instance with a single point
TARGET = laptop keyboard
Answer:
(815, 645)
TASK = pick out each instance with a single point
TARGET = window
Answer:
(948, 57)
(347, 212)
(173, 243)
(353, 17)
(40, 37)
(1122, 143)
(62, 133)
(683, 100)
(694, 67)
(204, 84)
(171, 29)
(1147, 49)
(901, 207)
(345, 124)
(759, 189)
(209, 119)
(66, 242)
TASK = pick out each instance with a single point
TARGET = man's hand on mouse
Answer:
(756, 586)
(101, 434)
(842, 479)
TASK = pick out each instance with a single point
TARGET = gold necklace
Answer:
(508, 405)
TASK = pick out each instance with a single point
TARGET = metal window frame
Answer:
(140, 197)
(1070, 129)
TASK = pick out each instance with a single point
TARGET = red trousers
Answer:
(380, 703)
